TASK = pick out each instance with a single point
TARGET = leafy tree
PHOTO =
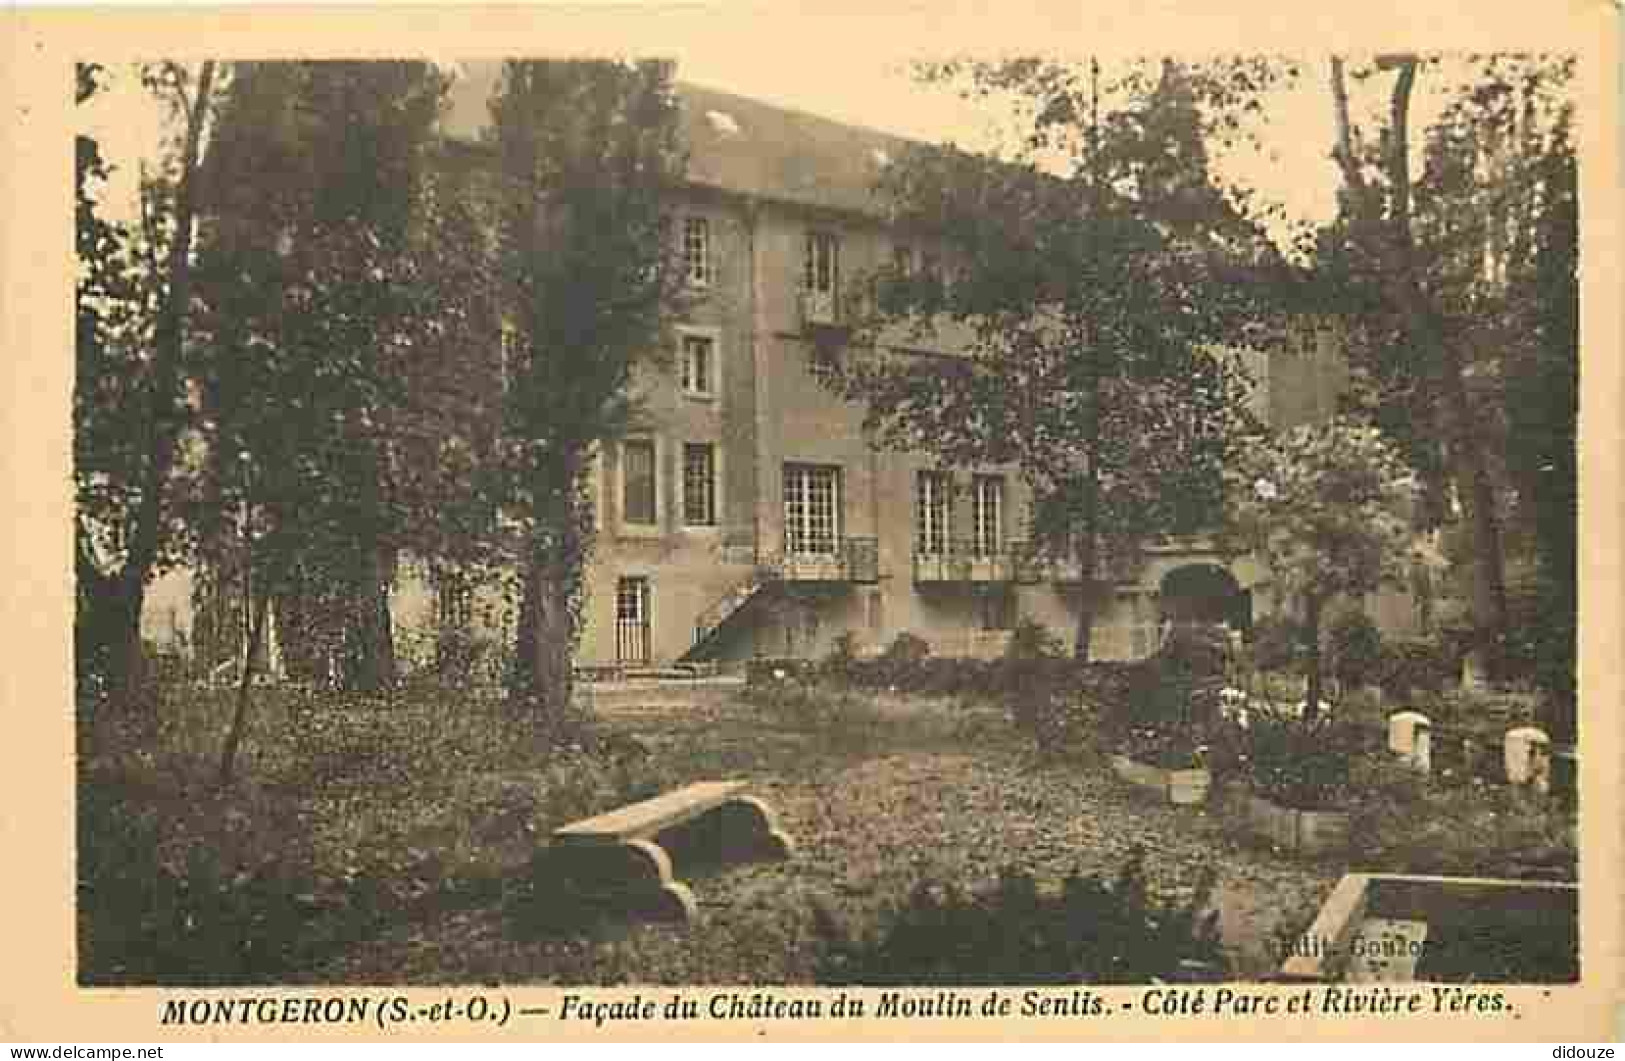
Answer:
(1541, 401)
(317, 318)
(1327, 508)
(1095, 273)
(585, 152)
(107, 297)
(1425, 265)
(130, 408)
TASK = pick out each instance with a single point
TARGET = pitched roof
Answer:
(737, 144)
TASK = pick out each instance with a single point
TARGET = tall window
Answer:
(632, 599)
(700, 484)
(812, 506)
(638, 481)
(632, 620)
(699, 365)
(697, 251)
(931, 513)
(987, 515)
(821, 271)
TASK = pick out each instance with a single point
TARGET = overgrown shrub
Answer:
(1091, 933)
(1046, 705)
(352, 814)
(1417, 666)
(1356, 649)
(1402, 821)
(179, 887)
(1168, 707)
(902, 662)
(1198, 654)
(1279, 643)
(1293, 762)
(770, 670)
(577, 784)
(1540, 652)
(907, 648)
(841, 720)
(1033, 640)
(842, 656)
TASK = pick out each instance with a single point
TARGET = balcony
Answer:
(820, 311)
(967, 561)
(1032, 566)
(844, 560)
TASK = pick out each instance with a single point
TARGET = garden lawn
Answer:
(880, 793)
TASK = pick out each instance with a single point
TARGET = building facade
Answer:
(747, 512)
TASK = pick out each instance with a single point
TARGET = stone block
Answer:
(1410, 737)
(1528, 753)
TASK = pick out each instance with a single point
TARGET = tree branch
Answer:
(1399, 163)
(1343, 146)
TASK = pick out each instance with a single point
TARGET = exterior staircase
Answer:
(843, 561)
(712, 619)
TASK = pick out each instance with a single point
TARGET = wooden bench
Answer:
(619, 860)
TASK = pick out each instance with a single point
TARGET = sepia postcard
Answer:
(813, 522)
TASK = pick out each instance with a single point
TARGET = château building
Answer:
(747, 512)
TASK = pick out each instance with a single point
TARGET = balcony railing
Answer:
(966, 561)
(633, 642)
(820, 309)
(1031, 565)
(838, 560)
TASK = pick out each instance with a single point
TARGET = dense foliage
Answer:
(1294, 762)
(1456, 286)
(1090, 276)
(1168, 712)
(1356, 649)
(1091, 932)
(587, 152)
(1327, 508)
(130, 410)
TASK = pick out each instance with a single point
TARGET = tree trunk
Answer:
(1489, 600)
(1088, 548)
(1083, 638)
(239, 718)
(371, 657)
(1404, 289)
(98, 621)
(163, 427)
(555, 636)
(1311, 621)
(546, 641)
(1087, 551)
(544, 673)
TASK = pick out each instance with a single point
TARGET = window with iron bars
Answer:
(699, 484)
(812, 495)
(931, 506)
(697, 251)
(987, 512)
